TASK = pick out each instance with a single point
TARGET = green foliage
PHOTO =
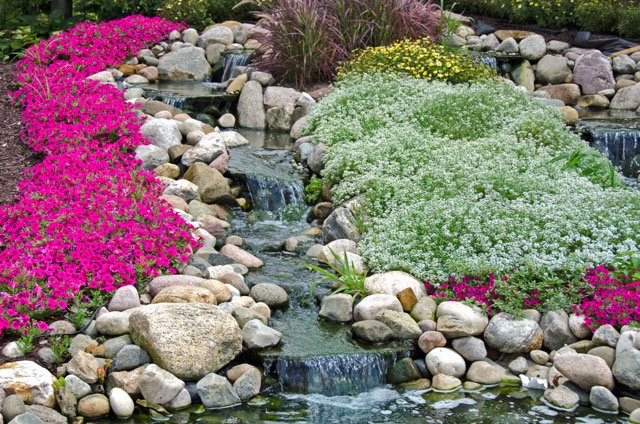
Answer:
(313, 190)
(590, 164)
(419, 59)
(344, 275)
(458, 180)
(78, 313)
(101, 10)
(628, 265)
(59, 382)
(628, 23)
(60, 347)
(26, 343)
(596, 15)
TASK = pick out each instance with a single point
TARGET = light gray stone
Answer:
(217, 35)
(601, 398)
(400, 323)
(216, 391)
(430, 340)
(445, 383)
(552, 70)
(151, 156)
(483, 373)
(256, 335)
(626, 366)
(159, 386)
(533, 47)
(124, 298)
(455, 319)
(78, 387)
(606, 335)
(556, 331)
(561, 397)
(585, 370)
(80, 342)
(508, 45)
(337, 307)
(471, 348)
(27, 418)
(130, 357)
(113, 323)
(121, 403)
(519, 365)
(341, 223)
(443, 360)
(13, 406)
(393, 282)
(623, 64)
(511, 335)
(162, 133)
(372, 331)
(272, 295)
(280, 96)
(626, 98)
(247, 386)
(84, 366)
(578, 326)
(185, 64)
(251, 112)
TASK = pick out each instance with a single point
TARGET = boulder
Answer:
(121, 403)
(250, 106)
(484, 373)
(455, 319)
(471, 348)
(626, 367)
(337, 307)
(256, 335)
(394, 281)
(185, 64)
(552, 70)
(78, 388)
(159, 386)
(533, 47)
(212, 186)
(404, 370)
(130, 357)
(124, 298)
(593, 73)
(606, 335)
(556, 330)
(315, 161)
(602, 399)
(511, 335)
(217, 35)
(113, 323)
(93, 406)
(162, 133)
(241, 256)
(561, 397)
(443, 360)
(185, 294)
(247, 386)
(567, 93)
(189, 340)
(184, 189)
(524, 75)
(215, 391)
(424, 310)
(585, 370)
(84, 366)
(372, 331)
(400, 323)
(341, 223)
(595, 101)
(151, 156)
(160, 283)
(430, 340)
(272, 295)
(623, 64)
(275, 96)
(626, 98)
(578, 326)
(445, 383)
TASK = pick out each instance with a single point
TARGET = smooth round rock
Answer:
(121, 403)
(446, 361)
(93, 406)
(272, 295)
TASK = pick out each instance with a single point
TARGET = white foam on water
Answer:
(450, 404)
(545, 410)
(590, 420)
(363, 401)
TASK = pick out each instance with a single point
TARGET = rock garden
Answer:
(456, 241)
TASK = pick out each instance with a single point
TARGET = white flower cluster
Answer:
(458, 180)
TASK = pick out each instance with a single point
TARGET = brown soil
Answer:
(15, 155)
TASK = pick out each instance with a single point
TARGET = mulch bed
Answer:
(15, 155)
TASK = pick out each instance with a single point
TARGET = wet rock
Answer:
(251, 112)
(402, 371)
(159, 386)
(241, 256)
(483, 373)
(400, 323)
(215, 391)
(455, 319)
(93, 406)
(561, 397)
(372, 331)
(445, 383)
(247, 386)
(585, 370)
(446, 361)
(182, 400)
(189, 340)
(256, 335)
(337, 307)
(272, 295)
(601, 398)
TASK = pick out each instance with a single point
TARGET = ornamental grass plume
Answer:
(87, 217)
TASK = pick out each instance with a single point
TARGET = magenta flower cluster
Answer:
(88, 216)
(481, 291)
(615, 301)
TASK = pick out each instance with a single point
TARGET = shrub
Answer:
(419, 59)
(459, 181)
(306, 39)
(628, 23)
(597, 15)
(202, 13)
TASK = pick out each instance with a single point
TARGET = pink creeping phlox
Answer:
(88, 216)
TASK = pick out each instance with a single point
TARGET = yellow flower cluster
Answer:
(419, 59)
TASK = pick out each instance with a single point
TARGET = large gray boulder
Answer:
(217, 35)
(626, 367)
(215, 391)
(186, 64)
(163, 133)
(151, 156)
(443, 360)
(159, 386)
(511, 335)
(626, 98)
(455, 319)
(533, 47)
(250, 107)
(552, 70)
(342, 222)
(393, 282)
(280, 96)
(585, 370)
(556, 330)
(189, 340)
(369, 307)
(593, 73)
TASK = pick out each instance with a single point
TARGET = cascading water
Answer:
(269, 194)
(231, 61)
(489, 61)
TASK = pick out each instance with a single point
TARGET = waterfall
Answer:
(622, 146)
(333, 375)
(271, 195)
(175, 101)
(489, 61)
(232, 61)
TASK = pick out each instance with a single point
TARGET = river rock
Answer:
(430, 340)
(445, 383)
(220, 291)
(524, 75)
(471, 348)
(593, 73)
(578, 326)
(159, 386)
(182, 400)
(84, 366)
(585, 370)
(602, 399)
(595, 101)
(212, 186)
(424, 309)
(241, 256)
(185, 64)
(272, 295)
(567, 93)
(279, 118)
(80, 342)
(533, 47)
(93, 406)
(130, 357)
(562, 397)
(511, 335)
(215, 391)
(623, 64)
(251, 112)
(508, 45)
(372, 331)
(484, 373)
(552, 70)
(280, 96)
(247, 386)
(605, 352)
(400, 323)
(243, 315)
(217, 35)
(13, 406)
(113, 323)
(162, 133)
(121, 403)
(27, 418)
(256, 335)
(402, 371)
(337, 307)
(315, 161)
(185, 294)
(338, 248)
(626, 98)
(556, 330)
(443, 360)
(124, 298)
(129, 381)
(626, 367)
(184, 189)
(189, 340)
(606, 335)
(519, 365)
(394, 281)
(67, 402)
(78, 387)
(455, 319)
(151, 156)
